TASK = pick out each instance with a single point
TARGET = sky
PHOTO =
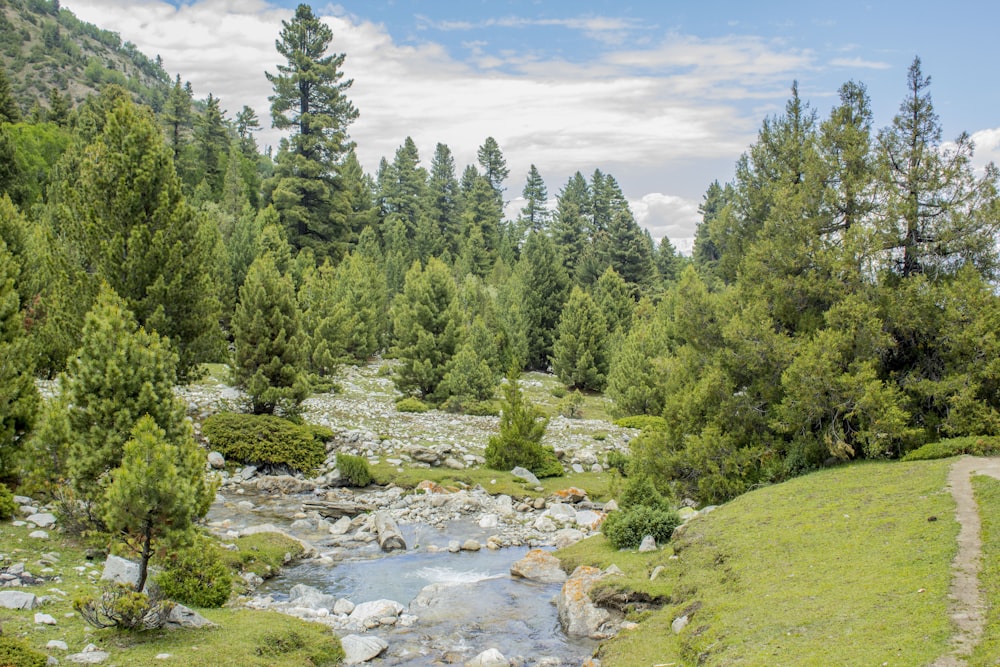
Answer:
(665, 95)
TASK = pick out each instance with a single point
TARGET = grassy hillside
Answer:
(849, 566)
(43, 46)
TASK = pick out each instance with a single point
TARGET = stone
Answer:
(120, 571)
(656, 572)
(471, 545)
(44, 619)
(341, 526)
(611, 505)
(567, 537)
(38, 535)
(544, 524)
(491, 657)
(578, 615)
(648, 544)
(687, 513)
(577, 468)
(539, 565)
(184, 617)
(91, 655)
(679, 624)
(374, 610)
(488, 521)
(571, 495)
(590, 519)
(18, 600)
(454, 546)
(57, 645)
(216, 460)
(283, 484)
(526, 475)
(453, 463)
(423, 454)
(302, 595)
(343, 606)
(162, 656)
(538, 503)
(561, 512)
(596, 468)
(43, 520)
(359, 649)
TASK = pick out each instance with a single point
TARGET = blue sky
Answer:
(663, 95)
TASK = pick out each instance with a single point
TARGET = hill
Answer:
(45, 47)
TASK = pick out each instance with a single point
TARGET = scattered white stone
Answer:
(38, 535)
(471, 545)
(491, 657)
(526, 475)
(44, 619)
(488, 521)
(18, 600)
(57, 645)
(343, 606)
(648, 544)
(91, 655)
(679, 624)
(341, 526)
(43, 520)
(359, 649)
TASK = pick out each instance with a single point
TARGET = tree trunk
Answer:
(389, 537)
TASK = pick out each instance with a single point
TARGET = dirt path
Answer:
(966, 604)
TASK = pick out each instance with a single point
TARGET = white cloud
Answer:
(859, 63)
(667, 215)
(987, 147)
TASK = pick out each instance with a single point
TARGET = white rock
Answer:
(679, 624)
(648, 544)
(359, 649)
(611, 505)
(491, 657)
(18, 600)
(216, 460)
(374, 610)
(561, 512)
(544, 524)
(38, 535)
(44, 619)
(57, 645)
(343, 606)
(488, 521)
(341, 526)
(120, 570)
(44, 520)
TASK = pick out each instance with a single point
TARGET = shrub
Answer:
(411, 404)
(15, 653)
(522, 426)
(641, 492)
(196, 576)
(619, 461)
(626, 528)
(571, 406)
(974, 445)
(354, 469)
(483, 409)
(7, 504)
(643, 423)
(558, 391)
(266, 440)
(119, 606)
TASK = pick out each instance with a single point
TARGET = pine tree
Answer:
(519, 442)
(10, 112)
(534, 214)
(571, 228)
(121, 373)
(310, 99)
(213, 145)
(403, 187)
(157, 492)
(18, 396)
(246, 123)
(271, 351)
(615, 300)
(545, 286)
(579, 354)
(470, 378)
(178, 117)
(494, 166)
(481, 221)
(427, 326)
(668, 261)
(441, 203)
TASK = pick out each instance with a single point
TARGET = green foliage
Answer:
(266, 440)
(519, 442)
(411, 404)
(619, 461)
(626, 528)
(469, 378)
(942, 449)
(119, 606)
(276, 644)
(16, 653)
(196, 575)
(354, 469)
(987, 492)
(262, 553)
(157, 492)
(580, 356)
(643, 422)
(271, 349)
(640, 492)
(20, 398)
(571, 405)
(544, 285)
(7, 504)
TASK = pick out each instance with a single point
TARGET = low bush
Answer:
(196, 576)
(626, 528)
(354, 469)
(262, 553)
(641, 492)
(942, 449)
(619, 461)
(643, 422)
(7, 504)
(483, 409)
(558, 391)
(120, 606)
(267, 440)
(15, 653)
(571, 406)
(411, 404)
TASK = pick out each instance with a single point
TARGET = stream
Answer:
(473, 604)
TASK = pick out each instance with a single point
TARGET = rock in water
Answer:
(491, 657)
(538, 565)
(359, 649)
(389, 537)
(579, 616)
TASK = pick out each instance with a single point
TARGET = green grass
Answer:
(538, 388)
(840, 567)
(242, 637)
(988, 498)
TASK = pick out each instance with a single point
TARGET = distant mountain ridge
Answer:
(44, 46)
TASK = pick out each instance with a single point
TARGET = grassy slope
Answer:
(988, 498)
(839, 567)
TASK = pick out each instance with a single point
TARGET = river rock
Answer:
(561, 512)
(578, 615)
(648, 544)
(91, 655)
(471, 545)
(374, 610)
(185, 617)
(526, 475)
(302, 595)
(611, 506)
(42, 520)
(389, 537)
(538, 565)
(341, 526)
(544, 524)
(18, 600)
(491, 657)
(343, 606)
(359, 649)
(567, 537)
(488, 521)
(571, 495)
(283, 484)
(216, 460)
(589, 519)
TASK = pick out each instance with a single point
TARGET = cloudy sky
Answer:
(663, 94)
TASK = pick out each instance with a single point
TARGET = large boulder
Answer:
(183, 617)
(120, 571)
(359, 649)
(578, 615)
(526, 475)
(283, 484)
(302, 595)
(375, 610)
(18, 600)
(538, 565)
(42, 520)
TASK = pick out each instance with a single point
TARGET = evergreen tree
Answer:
(178, 118)
(494, 166)
(10, 112)
(359, 191)
(121, 373)
(635, 381)
(579, 354)
(629, 250)
(213, 145)
(310, 99)
(668, 261)
(18, 396)
(481, 222)
(545, 287)
(534, 214)
(571, 229)
(469, 378)
(271, 351)
(246, 123)
(427, 326)
(157, 492)
(59, 107)
(519, 442)
(614, 299)
(441, 203)
(130, 226)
